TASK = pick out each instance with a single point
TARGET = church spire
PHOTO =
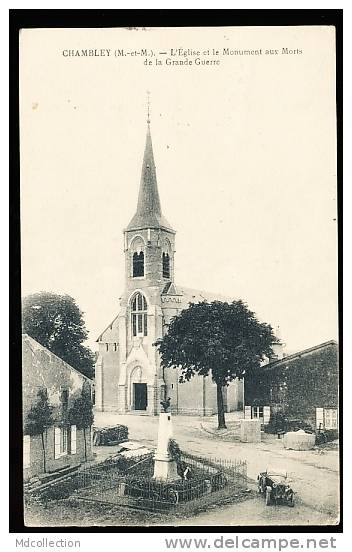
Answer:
(148, 214)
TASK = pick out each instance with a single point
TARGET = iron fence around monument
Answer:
(207, 480)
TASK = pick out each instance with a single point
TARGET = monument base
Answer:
(165, 469)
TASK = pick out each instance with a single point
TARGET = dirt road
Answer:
(314, 475)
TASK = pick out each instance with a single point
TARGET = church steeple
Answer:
(148, 214)
(149, 240)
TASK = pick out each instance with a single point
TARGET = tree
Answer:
(224, 340)
(57, 323)
(81, 413)
(39, 418)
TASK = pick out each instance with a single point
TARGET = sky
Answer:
(245, 155)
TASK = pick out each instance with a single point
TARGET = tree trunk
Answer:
(220, 401)
(85, 444)
(44, 457)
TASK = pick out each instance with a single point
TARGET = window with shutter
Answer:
(57, 443)
(330, 418)
(266, 414)
(319, 417)
(26, 451)
(64, 441)
(73, 439)
(258, 412)
(247, 412)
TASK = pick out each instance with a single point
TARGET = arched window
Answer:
(166, 265)
(139, 316)
(138, 264)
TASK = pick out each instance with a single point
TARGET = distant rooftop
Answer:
(299, 354)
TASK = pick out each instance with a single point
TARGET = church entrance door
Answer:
(140, 396)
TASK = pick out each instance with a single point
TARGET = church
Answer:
(128, 375)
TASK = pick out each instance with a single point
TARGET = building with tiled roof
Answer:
(128, 375)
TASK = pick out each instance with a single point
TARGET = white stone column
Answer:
(165, 468)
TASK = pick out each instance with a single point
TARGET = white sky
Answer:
(245, 156)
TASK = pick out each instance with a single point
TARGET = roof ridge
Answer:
(299, 353)
(30, 338)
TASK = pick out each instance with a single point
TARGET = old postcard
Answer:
(179, 276)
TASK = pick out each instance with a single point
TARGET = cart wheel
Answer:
(267, 497)
(223, 481)
(173, 496)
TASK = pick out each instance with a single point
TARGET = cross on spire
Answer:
(148, 104)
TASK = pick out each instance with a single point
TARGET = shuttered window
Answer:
(266, 414)
(26, 451)
(247, 412)
(57, 442)
(258, 412)
(319, 417)
(261, 413)
(73, 439)
(64, 441)
(60, 442)
(330, 418)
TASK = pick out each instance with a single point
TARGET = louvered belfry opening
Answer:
(166, 265)
(138, 264)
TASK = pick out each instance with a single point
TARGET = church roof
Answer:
(148, 214)
(191, 295)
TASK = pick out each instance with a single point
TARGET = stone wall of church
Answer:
(107, 369)
(234, 398)
(107, 374)
(195, 397)
(198, 396)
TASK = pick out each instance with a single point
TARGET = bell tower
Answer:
(149, 239)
